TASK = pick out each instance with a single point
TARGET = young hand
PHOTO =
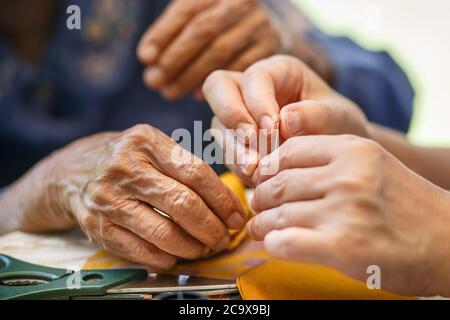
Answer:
(345, 202)
(283, 92)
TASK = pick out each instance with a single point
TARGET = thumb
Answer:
(321, 118)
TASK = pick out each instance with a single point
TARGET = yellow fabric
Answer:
(235, 184)
(282, 280)
(258, 276)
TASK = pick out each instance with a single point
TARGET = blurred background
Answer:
(415, 32)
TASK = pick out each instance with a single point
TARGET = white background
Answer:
(416, 33)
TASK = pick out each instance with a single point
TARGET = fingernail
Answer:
(235, 221)
(293, 123)
(267, 123)
(170, 92)
(222, 244)
(154, 76)
(150, 53)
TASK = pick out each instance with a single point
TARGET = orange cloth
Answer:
(258, 276)
(282, 280)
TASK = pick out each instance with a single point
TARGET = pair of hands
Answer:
(192, 38)
(336, 197)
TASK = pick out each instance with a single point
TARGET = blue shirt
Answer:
(90, 81)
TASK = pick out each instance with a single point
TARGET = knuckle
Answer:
(88, 222)
(138, 134)
(350, 241)
(326, 114)
(284, 151)
(356, 143)
(282, 216)
(118, 168)
(256, 70)
(141, 129)
(125, 209)
(363, 204)
(368, 146)
(347, 141)
(183, 202)
(258, 198)
(253, 228)
(202, 27)
(161, 233)
(220, 52)
(193, 172)
(353, 183)
(100, 196)
(278, 185)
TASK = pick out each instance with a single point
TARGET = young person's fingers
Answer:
(310, 117)
(305, 214)
(222, 91)
(298, 244)
(290, 185)
(297, 152)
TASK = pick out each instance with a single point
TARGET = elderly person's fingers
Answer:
(125, 243)
(185, 207)
(138, 217)
(219, 54)
(173, 161)
(167, 27)
(196, 36)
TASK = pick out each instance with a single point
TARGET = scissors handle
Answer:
(22, 280)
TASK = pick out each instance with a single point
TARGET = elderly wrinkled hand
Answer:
(282, 93)
(116, 185)
(192, 38)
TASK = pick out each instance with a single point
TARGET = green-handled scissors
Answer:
(22, 280)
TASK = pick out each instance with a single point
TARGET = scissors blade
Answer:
(157, 283)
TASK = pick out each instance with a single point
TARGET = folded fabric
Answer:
(258, 276)
(282, 280)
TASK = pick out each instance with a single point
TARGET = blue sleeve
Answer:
(371, 79)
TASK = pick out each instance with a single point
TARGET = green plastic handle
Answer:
(53, 283)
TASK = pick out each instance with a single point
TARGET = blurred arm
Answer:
(431, 163)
